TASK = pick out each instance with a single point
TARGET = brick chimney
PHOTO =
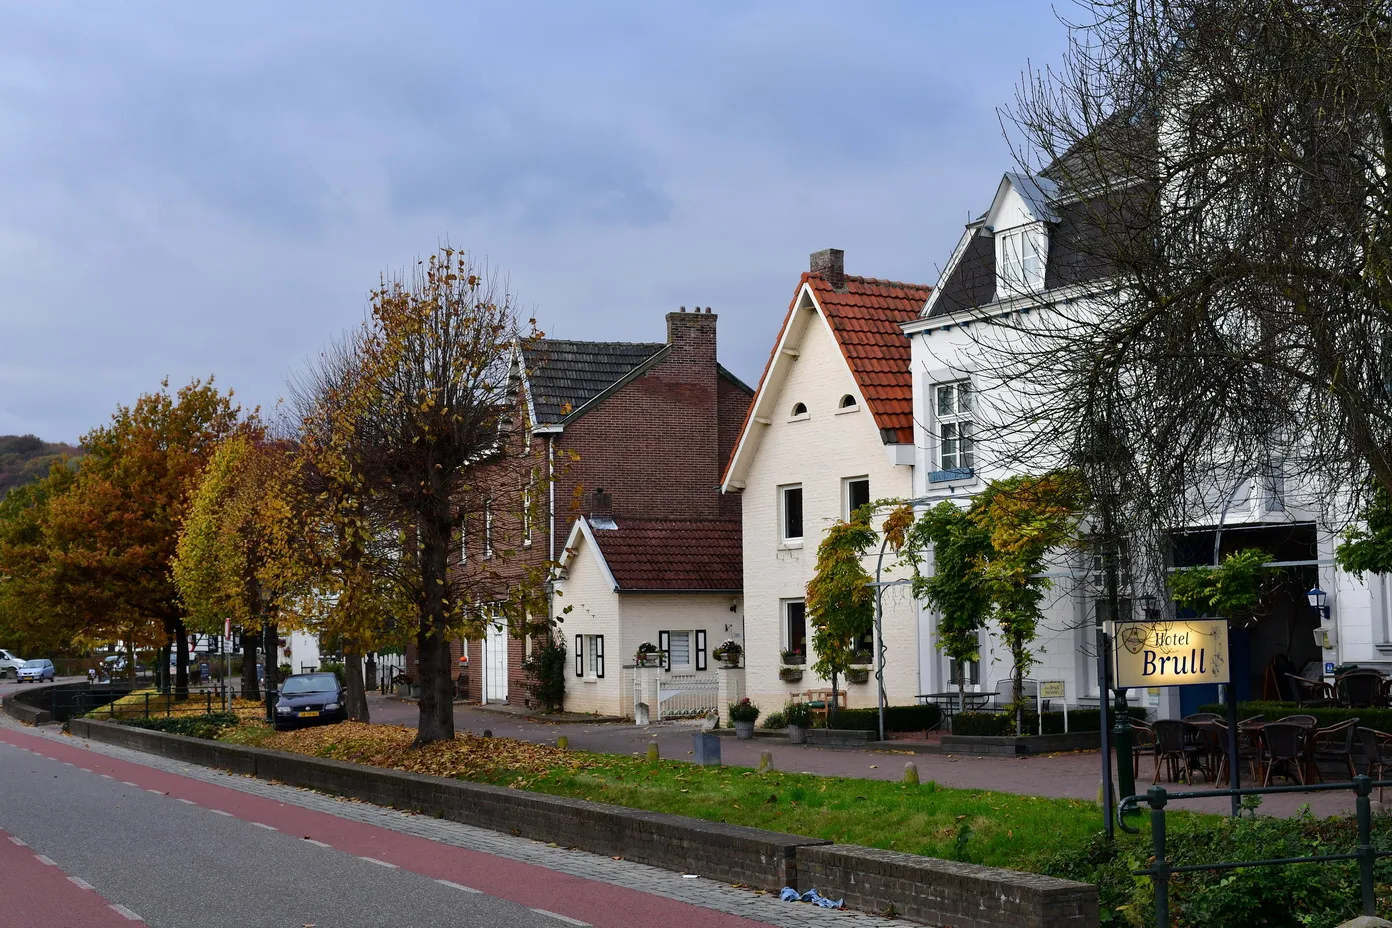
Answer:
(692, 335)
(830, 265)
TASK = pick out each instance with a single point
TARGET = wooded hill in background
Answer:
(26, 458)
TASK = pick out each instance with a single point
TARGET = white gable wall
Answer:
(818, 453)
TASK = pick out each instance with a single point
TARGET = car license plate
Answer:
(306, 715)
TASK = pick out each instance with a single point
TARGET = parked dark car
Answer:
(309, 699)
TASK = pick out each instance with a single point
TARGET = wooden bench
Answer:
(818, 700)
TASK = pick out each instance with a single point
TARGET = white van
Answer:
(10, 663)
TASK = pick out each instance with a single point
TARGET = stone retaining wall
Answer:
(944, 892)
(934, 892)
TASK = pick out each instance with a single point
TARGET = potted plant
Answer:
(744, 714)
(793, 656)
(647, 655)
(798, 715)
(790, 674)
(729, 653)
(857, 674)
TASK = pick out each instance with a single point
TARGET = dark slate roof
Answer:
(671, 555)
(564, 375)
(1077, 255)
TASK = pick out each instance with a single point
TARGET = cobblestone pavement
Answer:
(701, 892)
(1074, 775)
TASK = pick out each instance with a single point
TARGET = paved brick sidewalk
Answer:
(1063, 776)
(701, 892)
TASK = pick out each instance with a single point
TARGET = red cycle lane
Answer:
(40, 894)
(603, 905)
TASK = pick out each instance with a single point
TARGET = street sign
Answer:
(1051, 689)
(1176, 653)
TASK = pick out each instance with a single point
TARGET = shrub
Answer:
(1002, 724)
(744, 711)
(194, 726)
(1381, 719)
(799, 714)
(1304, 894)
(546, 671)
(897, 718)
(774, 720)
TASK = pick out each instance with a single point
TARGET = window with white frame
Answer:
(855, 492)
(589, 656)
(488, 527)
(463, 537)
(790, 512)
(795, 628)
(956, 426)
(682, 650)
(1020, 260)
(527, 513)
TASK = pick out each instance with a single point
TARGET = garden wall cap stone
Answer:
(1366, 921)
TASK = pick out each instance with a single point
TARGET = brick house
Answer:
(648, 423)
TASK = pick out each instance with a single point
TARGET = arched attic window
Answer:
(848, 401)
(800, 411)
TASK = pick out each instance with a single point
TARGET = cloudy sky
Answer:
(192, 188)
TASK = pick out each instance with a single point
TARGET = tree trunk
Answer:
(251, 687)
(181, 686)
(354, 690)
(437, 683)
(272, 656)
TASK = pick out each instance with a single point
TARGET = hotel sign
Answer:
(1171, 653)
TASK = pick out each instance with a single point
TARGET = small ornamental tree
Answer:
(1232, 590)
(954, 589)
(1367, 547)
(546, 669)
(840, 599)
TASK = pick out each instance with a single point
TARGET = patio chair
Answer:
(1198, 717)
(1375, 751)
(1335, 743)
(1174, 749)
(1360, 689)
(1246, 751)
(1142, 740)
(1311, 692)
(1283, 748)
(1304, 721)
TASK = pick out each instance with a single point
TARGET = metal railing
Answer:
(155, 705)
(686, 695)
(1160, 870)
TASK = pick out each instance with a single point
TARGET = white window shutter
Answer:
(579, 655)
(664, 646)
(599, 656)
(701, 649)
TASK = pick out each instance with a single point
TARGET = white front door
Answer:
(495, 673)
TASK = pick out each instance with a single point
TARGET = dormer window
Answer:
(1020, 256)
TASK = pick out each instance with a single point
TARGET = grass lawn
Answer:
(160, 705)
(997, 829)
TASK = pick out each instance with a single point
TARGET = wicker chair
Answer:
(1246, 751)
(1283, 748)
(1374, 745)
(1335, 743)
(1360, 689)
(1304, 721)
(1174, 749)
(1311, 692)
(1142, 740)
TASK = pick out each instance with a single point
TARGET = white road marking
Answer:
(79, 882)
(155, 791)
(128, 783)
(85, 769)
(66, 764)
(18, 841)
(380, 863)
(124, 912)
(568, 921)
(462, 889)
(220, 812)
(46, 861)
(318, 843)
(187, 802)
(107, 776)
(265, 826)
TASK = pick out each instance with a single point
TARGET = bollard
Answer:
(911, 773)
(707, 748)
(563, 742)
(652, 752)
(766, 762)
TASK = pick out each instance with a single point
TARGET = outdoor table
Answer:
(953, 702)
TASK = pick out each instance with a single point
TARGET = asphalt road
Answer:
(88, 840)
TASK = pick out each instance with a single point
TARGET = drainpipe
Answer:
(550, 521)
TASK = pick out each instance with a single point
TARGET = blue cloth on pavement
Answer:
(791, 895)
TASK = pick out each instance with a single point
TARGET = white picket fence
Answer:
(686, 695)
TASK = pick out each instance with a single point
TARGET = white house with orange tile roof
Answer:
(831, 427)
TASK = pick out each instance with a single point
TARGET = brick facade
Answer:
(656, 443)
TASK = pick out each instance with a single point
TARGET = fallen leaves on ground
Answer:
(467, 756)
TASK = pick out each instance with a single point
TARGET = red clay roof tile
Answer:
(670, 555)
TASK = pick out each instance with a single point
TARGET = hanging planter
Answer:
(857, 675)
(729, 653)
(790, 674)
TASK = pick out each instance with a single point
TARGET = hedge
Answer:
(1381, 719)
(1003, 723)
(897, 718)
(194, 726)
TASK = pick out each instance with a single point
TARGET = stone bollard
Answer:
(766, 762)
(640, 714)
(563, 742)
(652, 752)
(707, 748)
(488, 733)
(911, 773)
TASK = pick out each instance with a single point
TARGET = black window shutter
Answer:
(599, 656)
(579, 655)
(701, 649)
(664, 646)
